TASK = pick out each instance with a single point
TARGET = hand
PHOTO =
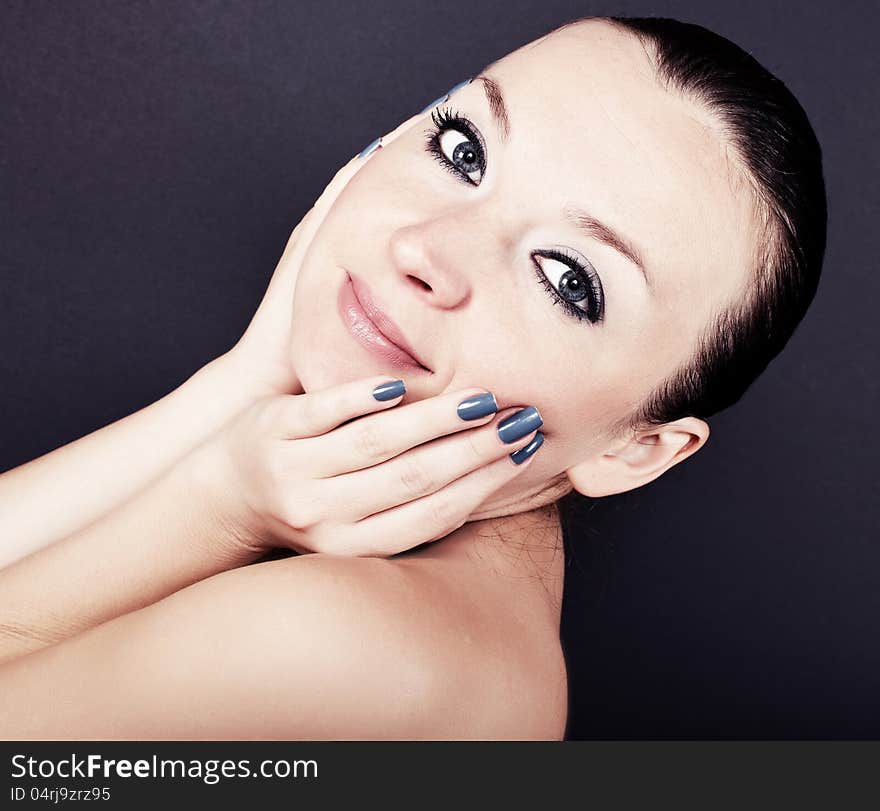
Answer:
(340, 472)
(261, 357)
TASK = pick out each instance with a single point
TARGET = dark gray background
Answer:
(156, 156)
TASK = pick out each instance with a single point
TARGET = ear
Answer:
(639, 459)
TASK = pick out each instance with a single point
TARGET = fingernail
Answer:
(371, 147)
(446, 95)
(388, 391)
(477, 406)
(522, 454)
(516, 426)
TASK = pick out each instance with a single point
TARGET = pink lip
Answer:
(372, 328)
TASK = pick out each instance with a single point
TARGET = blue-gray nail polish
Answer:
(477, 406)
(388, 391)
(446, 95)
(371, 147)
(516, 426)
(522, 454)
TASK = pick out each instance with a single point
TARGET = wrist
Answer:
(228, 380)
(231, 529)
(259, 371)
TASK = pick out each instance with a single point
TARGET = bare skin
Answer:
(455, 640)
(425, 642)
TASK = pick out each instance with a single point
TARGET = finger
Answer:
(434, 516)
(389, 137)
(403, 127)
(378, 437)
(300, 416)
(423, 470)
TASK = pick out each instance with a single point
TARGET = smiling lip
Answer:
(372, 328)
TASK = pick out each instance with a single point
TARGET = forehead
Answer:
(643, 158)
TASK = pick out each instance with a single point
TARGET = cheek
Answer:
(578, 401)
(574, 403)
(385, 193)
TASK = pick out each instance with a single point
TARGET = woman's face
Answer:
(447, 245)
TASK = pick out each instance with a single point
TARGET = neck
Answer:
(521, 554)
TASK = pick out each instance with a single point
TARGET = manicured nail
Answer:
(371, 147)
(477, 406)
(446, 95)
(516, 426)
(522, 454)
(388, 391)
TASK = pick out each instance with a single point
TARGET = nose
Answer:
(435, 260)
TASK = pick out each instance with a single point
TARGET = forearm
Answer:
(63, 491)
(171, 534)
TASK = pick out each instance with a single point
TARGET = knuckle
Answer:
(474, 452)
(442, 512)
(415, 479)
(306, 413)
(301, 513)
(317, 542)
(369, 442)
(331, 538)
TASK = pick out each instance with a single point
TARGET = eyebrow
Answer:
(495, 98)
(597, 229)
(583, 220)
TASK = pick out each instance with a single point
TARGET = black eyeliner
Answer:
(444, 119)
(596, 311)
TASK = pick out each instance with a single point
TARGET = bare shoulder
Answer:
(451, 656)
(309, 648)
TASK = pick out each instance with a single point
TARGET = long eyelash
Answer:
(596, 311)
(445, 118)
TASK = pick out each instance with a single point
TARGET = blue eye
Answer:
(570, 284)
(456, 145)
